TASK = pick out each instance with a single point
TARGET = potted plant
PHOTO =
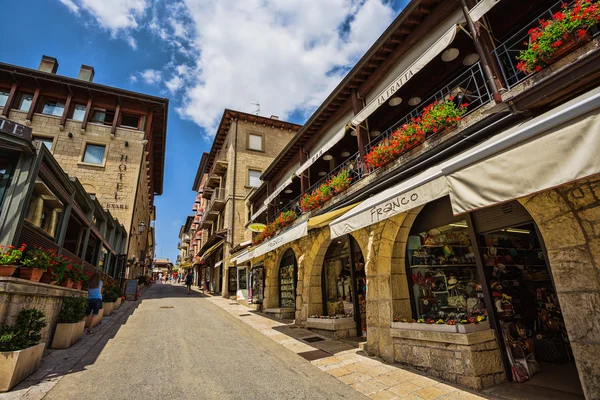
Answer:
(553, 39)
(77, 275)
(56, 271)
(20, 348)
(35, 262)
(85, 279)
(68, 275)
(110, 296)
(71, 322)
(10, 259)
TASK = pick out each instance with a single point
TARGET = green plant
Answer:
(72, 310)
(36, 257)
(11, 256)
(337, 184)
(25, 332)
(284, 219)
(112, 292)
(567, 24)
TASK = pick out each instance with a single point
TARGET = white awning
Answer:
(401, 80)
(328, 145)
(242, 258)
(260, 211)
(295, 233)
(217, 265)
(421, 189)
(481, 9)
(552, 149)
(276, 192)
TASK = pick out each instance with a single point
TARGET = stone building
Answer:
(445, 203)
(112, 140)
(244, 146)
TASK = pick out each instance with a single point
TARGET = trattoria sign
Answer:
(14, 129)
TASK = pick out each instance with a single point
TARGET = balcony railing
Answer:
(506, 53)
(469, 86)
(220, 156)
(218, 195)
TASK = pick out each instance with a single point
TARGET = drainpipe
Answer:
(482, 55)
(233, 197)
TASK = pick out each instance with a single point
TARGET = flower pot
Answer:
(108, 308)
(7, 270)
(68, 283)
(18, 365)
(571, 43)
(48, 278)
(118, 303)
(32, 274)
(77, 285)
(66, 335)
(84, 286)
(93, 320)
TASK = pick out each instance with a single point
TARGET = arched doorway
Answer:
(343, 282)
(288, 279)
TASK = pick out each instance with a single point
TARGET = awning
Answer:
(295, 233)
(260, 211)
(328, 145)
(276, 192)
(217, 265)
(404, 77)
(208, 252)
(482, 8)
(324, 219)
(242, 258)
(552, 149)
(421, 189)
(235, 257)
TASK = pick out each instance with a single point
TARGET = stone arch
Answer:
(271, 263)
(89, 188)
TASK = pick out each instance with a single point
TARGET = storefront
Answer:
(256, 291)
(287, 280)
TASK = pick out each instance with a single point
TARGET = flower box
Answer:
(7, 270)
(413, 326)
(66, 335)
(468, 328)
(117, 303)
(32, 274)
(18, 365)
(93, 320)
(108, 308)
(77, 285)
(68, 283)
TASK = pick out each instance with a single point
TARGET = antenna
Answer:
(257, 104)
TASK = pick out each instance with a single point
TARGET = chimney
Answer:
(48, 64)
(275, 117)
(86, 73)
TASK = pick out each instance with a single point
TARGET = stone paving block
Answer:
(431, 392)
(383, 395)
(368, 387)
(337, 372)
(404, 388)
(354, 377)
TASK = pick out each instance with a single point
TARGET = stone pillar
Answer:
(53, 221)
(37, 211)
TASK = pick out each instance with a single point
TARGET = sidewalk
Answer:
(350, 365)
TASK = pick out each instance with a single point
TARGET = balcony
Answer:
(217, 170)
(217, 200)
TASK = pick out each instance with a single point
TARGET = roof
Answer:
(158, 105)
(200, 172)
(369, 70)
(162, 262)
(228, 117)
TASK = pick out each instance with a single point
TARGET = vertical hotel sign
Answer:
(14, 129)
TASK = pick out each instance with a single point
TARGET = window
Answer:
(130, 121)
(255, 142)
(45, 209)
(78, 112)
(46, 140)
(7, 166)
(25, 103)
(102, 116)
(254, 178)
(52, 107)
(3, 98)
(94, 154)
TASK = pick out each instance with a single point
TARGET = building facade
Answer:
(442, 203)
(111, 139)
(244, 146)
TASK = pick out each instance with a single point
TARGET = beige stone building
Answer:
(244, 146)
(465, 245)
(111, 139)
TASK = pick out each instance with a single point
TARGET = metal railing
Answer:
(293, 205)
(507, 52)
(219, 194)
(219, 155)
(469, 87)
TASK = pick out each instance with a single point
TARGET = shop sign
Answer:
(14, 129)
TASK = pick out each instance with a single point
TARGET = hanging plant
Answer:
(284, 219)
(337, 184)
(555, 38)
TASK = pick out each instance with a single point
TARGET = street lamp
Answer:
(141, 229)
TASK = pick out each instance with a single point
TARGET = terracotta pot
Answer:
(569, 45)
(77, 285)
(68, 283)
(48, 278)
(7, 270)
(32, 274)
(85, 286)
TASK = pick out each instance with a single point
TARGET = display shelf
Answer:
(442, 245)
(443, 265)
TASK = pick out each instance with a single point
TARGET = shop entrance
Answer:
(524, 301)
(343, 281)
(287, 280)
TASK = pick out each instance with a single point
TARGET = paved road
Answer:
(193, 350)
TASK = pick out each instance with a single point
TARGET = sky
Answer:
(204, 55)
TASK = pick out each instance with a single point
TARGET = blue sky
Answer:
(204, 55)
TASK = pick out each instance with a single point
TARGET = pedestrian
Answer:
(188, 282)
(94, 296)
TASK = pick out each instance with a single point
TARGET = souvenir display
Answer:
(286, 286)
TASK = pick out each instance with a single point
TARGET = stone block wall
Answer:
(18, 294)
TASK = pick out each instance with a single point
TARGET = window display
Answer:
(232, 282)
(443, 273)
(286, 286)
(256, 285)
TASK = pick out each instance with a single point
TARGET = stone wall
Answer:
(18, 294)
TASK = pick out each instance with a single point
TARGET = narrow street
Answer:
(179, 347)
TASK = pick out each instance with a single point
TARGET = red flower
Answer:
(559, 16)
(581, 33)
(558, 43)
(538, 68)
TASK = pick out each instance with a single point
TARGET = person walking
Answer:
(188, 281)
(94, 296)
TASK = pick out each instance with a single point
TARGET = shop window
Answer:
(25, 102)
(232, 279)
(94, 154)
(73, 236)
(47, 141)
(287, 280)
(103, 116)
(443, 273)
(130, 121)
(7, 166)
(257, 279)
(52, 107)
(254, 178)
(78, 112)
(255, 142)
(3, 98)
(242, 278)
(45, 209)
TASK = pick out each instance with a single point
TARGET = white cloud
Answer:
(174, 84)
(72, 6)
(151, 76)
